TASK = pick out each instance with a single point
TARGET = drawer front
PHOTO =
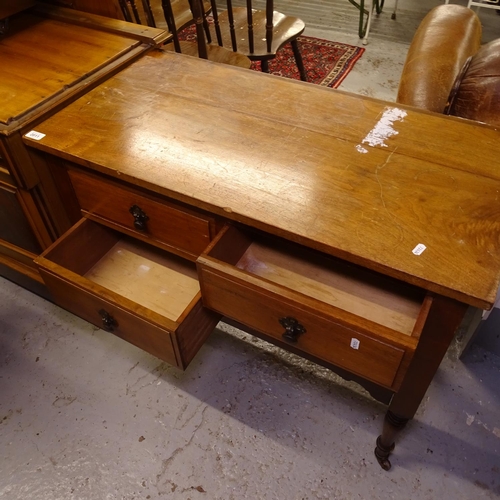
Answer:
(323, 338)
(163, 222)
(125, 325)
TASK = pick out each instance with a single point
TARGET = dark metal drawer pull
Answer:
(292, 329)
(140, 217)
(108, 322)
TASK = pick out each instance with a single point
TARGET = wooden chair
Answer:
(258, 34)
(176, 15)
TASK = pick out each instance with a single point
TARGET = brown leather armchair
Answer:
(448, 71)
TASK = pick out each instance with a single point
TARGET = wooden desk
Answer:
(328, 196)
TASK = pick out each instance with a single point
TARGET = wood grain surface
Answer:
(358, 178)
(166, 286)
(62, 44)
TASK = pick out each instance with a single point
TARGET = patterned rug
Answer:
(326, 63)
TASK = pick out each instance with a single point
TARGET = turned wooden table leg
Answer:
(443, 319)
(386, 441)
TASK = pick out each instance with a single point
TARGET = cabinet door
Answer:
(14, 225)
(4, 172)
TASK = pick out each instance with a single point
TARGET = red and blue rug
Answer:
(326, 63)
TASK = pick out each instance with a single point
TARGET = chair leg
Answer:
(298, 60)
(264, 66)
(369, 21)
(395, 9)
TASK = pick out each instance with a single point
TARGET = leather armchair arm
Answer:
(445, 39)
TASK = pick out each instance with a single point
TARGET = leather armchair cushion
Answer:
(477, 95)
(446, 38)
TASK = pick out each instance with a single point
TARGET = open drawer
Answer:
(142, 294)
(340, 313)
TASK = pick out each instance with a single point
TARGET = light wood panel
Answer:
(333, 285)
(166, 285)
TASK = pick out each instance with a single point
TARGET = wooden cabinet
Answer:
(49, 56)
(14, 225)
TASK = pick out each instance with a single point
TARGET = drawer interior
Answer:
(157, 280)
(361, 292)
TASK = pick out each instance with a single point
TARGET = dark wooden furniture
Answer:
(10, 7)
(348, 230)
(49, 56)
(107, 8)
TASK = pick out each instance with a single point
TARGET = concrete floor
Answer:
(84, 415)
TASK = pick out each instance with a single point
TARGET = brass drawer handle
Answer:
(140, 217)
(292, 329)
(108, 322)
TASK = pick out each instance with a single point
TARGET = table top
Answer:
(49, 50)
(358, 178)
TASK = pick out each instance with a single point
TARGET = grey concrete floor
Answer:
(84, 415)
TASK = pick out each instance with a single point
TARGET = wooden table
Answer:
(319, 187)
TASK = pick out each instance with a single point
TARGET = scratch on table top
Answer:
(377, 170)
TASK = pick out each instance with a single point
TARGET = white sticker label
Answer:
(35, 135)
(354, 343)
(419, 249)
